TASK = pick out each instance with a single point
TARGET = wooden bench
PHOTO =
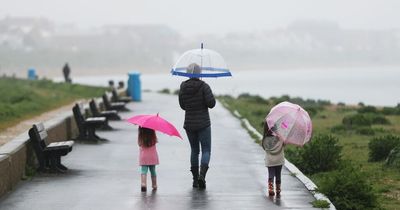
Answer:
(116, 98)
(48, 155)
(119, 106)
(110, 114)
(87, 127)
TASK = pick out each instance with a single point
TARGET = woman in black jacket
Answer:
(196, 97)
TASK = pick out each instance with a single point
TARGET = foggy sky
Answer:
(210, 16)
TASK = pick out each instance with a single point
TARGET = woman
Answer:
(196, 97)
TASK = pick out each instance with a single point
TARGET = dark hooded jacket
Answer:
(195, 97)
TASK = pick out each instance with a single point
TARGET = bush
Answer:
(165, 91)
(380, 147)
(367, 109)
(393, 159)
(321, 154)
(355, 120)
(348, 188)
(379, 119)
(311, 111)
(255, 98)
(365, 131)
(389, 110)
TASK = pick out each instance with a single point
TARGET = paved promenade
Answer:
(106, 175)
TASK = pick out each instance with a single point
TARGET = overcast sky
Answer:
(210, 16)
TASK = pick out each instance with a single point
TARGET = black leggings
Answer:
(274, 171)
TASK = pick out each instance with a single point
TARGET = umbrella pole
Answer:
(201, 57)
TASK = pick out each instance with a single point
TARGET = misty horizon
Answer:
(210, 17)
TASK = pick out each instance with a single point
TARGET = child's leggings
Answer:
(152, 168)
(275, 171)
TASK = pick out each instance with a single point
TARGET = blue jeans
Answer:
(196, 139)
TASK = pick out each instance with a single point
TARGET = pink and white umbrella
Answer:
(290, 122)
(155, 122)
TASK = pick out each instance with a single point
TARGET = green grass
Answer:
(320, 204)
(385, 181)
(21, 99)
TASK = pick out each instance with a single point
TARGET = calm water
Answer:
(374, 86)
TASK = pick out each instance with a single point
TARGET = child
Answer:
(148, 157)
(274, 159)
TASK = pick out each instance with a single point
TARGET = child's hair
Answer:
(147, 137)
(267, 130)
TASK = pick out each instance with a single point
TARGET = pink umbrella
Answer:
(290, 123)
(155, 122)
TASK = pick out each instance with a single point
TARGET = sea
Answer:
(378, 86)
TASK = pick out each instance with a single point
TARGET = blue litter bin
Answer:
(31, 74)
(134, 86)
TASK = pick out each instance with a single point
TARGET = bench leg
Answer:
(92, 134)
(53, 165)
(106, 126)
(61, 166)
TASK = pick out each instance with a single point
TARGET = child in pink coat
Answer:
(148, 157)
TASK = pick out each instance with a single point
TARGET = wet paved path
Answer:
(106, 175)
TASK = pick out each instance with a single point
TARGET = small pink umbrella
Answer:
(290, 123)
(155, 122)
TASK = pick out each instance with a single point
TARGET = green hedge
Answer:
(380, 147)
(321, 154)
(348, 189)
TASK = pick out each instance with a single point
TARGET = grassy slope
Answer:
(22, 99)
(355, 147)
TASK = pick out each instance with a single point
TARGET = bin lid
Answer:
(134, 73)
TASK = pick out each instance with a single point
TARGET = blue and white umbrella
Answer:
(211, 64)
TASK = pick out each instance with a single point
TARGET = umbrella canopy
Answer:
(155, 122)
(211, 64)
(290, 122)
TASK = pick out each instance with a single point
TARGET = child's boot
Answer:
(278, 190)
(143, 183)
(154, 182)
(195, 173)
(202, 176)
(271, 188)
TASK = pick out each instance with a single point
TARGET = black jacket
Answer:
(195, 97)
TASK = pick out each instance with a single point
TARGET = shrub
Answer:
(378, 119)
(321, 154)
(355, 120)
(389, 110)
(311, 111)
(365, 130)
(348, 188)
(255, 98)
(367, 109)
(393, 159)
(165, 91)
(380, 147)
